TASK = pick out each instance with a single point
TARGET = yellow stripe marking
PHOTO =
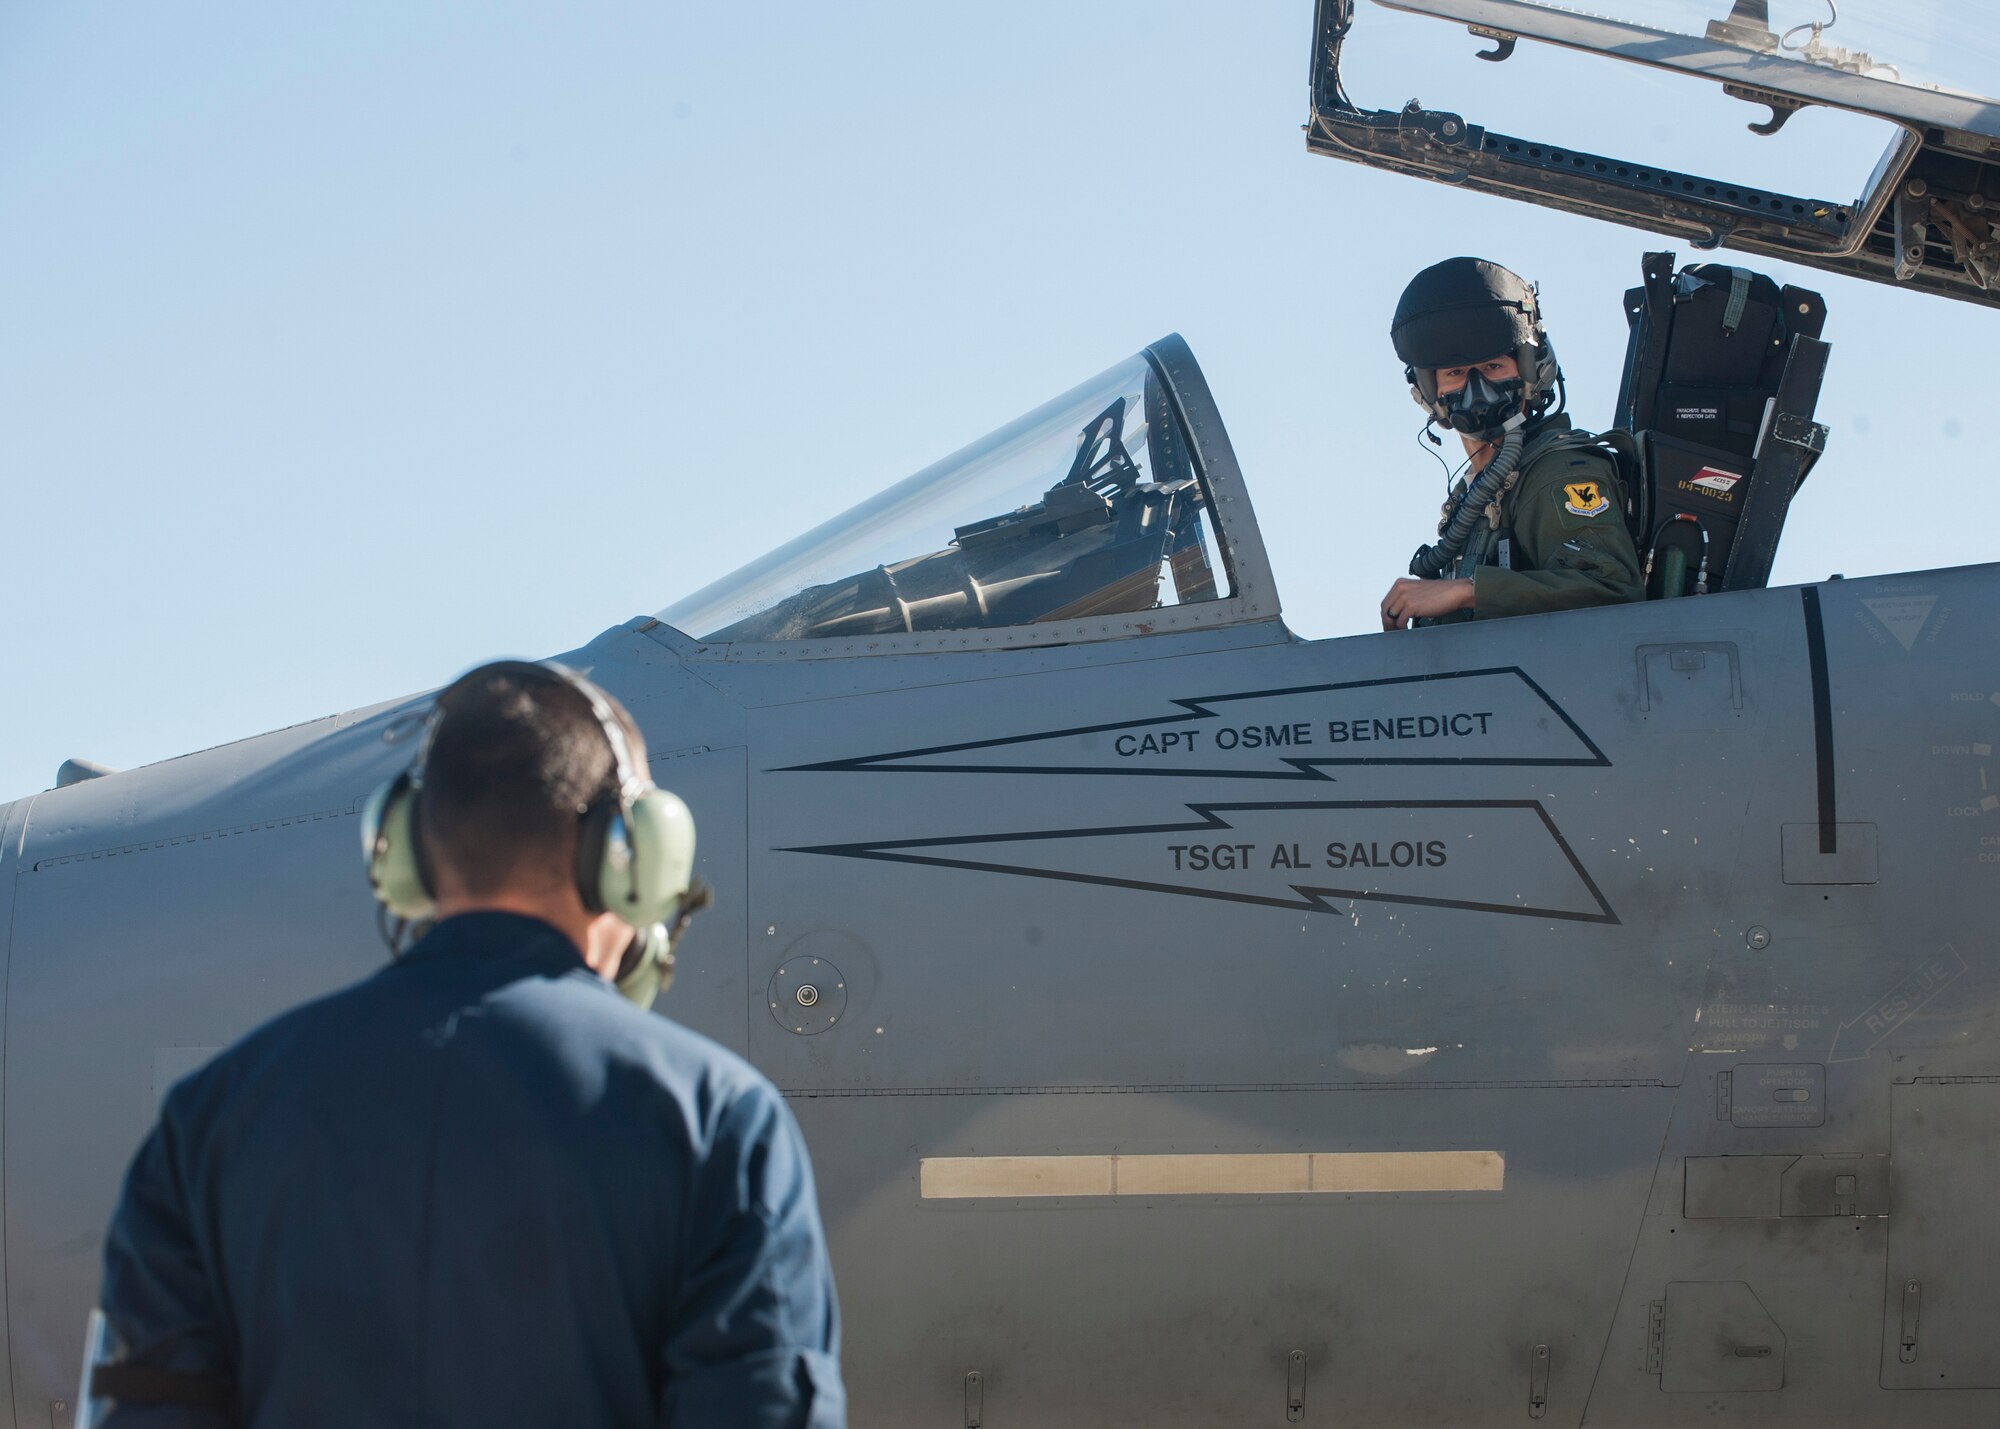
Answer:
(950, 1178)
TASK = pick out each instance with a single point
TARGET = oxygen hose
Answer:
(1457, 529)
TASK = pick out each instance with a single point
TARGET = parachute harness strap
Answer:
(1739, 297)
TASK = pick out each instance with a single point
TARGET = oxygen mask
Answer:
(1483, 407)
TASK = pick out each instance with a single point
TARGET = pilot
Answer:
(1540, 525)
(479, 1187)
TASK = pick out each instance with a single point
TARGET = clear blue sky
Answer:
(342, 346)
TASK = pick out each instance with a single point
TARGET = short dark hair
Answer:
(515, 757)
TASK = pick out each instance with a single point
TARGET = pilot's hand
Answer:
(1409, 598)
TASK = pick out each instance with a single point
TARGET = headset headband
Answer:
(631, 779)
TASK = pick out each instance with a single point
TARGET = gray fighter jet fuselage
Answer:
(1585, 1017)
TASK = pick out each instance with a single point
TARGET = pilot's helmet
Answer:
(1462, 311)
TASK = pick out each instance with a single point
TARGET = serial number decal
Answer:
(1491, 856)
(1472, 717)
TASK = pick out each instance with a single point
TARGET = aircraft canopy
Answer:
(1919, 69)
(1096, 507)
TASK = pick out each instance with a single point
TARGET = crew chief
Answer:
(480, 1187)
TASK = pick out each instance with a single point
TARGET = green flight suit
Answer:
(1562, 532)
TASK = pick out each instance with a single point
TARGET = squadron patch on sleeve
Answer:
(1585, 498)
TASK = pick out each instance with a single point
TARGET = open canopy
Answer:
(1924, 218)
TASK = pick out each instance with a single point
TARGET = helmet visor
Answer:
(1460, 336)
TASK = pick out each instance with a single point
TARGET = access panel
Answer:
(1942, 1300)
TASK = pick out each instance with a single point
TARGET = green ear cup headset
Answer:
(634, 848)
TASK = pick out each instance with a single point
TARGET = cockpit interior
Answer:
(1098, 505)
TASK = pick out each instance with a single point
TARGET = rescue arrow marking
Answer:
(1486, 855)
(1466, 717)
(1899, 1005)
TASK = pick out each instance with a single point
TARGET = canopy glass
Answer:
(1091, 504)
(1948, 44)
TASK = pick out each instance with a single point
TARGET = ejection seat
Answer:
(1715, 410)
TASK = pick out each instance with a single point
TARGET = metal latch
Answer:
(975, 1399)
(1295, 1386)
(1503, 42)
(1782, 106)
(1538, 1383)
(1912, 1293)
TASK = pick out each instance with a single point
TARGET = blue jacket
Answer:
(478, 1188)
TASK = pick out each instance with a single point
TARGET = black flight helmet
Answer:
(1466, 310)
